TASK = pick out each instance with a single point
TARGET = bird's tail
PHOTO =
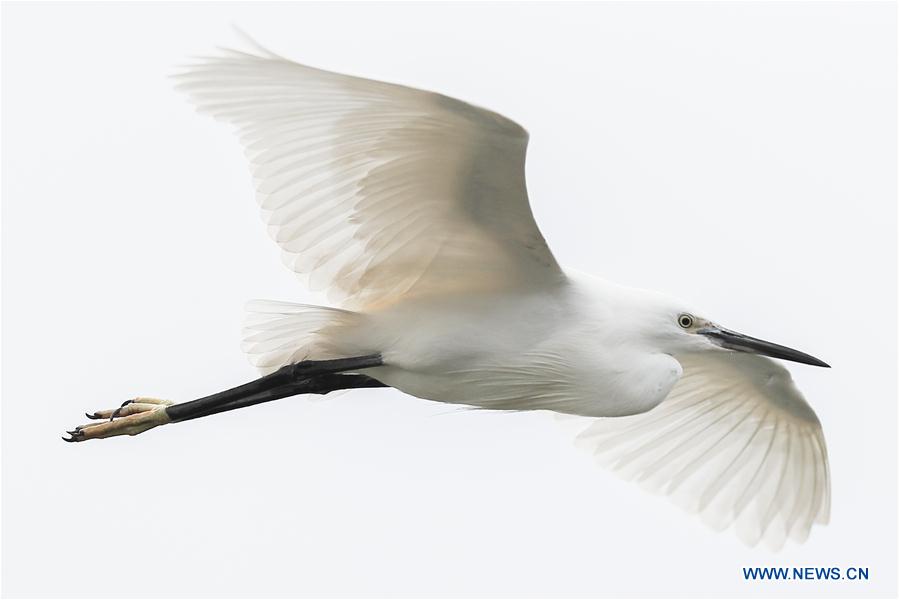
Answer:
(276, 334)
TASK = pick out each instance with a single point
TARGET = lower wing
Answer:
(734, 441)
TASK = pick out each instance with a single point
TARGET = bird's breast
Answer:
(526, 354)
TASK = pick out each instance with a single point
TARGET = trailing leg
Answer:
(307, 377)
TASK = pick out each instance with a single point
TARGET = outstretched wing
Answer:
(735, 441)
(378, 190)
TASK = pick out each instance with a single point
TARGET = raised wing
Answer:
(378, 190)
(735, 441)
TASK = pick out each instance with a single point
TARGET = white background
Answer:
(741, 156)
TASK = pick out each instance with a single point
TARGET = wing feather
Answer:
(377, 190)
(734, 441)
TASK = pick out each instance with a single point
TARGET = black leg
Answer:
(307, 377)
(319, 384)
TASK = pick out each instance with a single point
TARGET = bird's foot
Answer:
(131, 418)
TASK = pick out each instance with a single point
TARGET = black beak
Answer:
(744, 343)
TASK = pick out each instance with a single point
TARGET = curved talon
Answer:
(92, 416)
(117, 412)
(74, 436)
(74, 432)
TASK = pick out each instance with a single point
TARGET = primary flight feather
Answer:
(379, 191)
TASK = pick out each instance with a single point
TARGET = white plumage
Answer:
(411, 209)
(734, 441)
(378, 191)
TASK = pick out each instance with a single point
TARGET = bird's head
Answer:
(661, 323)
(685, 331)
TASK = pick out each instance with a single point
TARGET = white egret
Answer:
(411, 209)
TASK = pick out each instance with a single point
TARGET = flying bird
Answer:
(410, 208)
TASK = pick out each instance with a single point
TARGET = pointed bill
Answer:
(744, 343)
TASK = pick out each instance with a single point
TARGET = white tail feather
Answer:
(276, 334)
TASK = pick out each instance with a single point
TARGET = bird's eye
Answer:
(685, 320)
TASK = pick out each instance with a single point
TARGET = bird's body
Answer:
(410, 208)
(567, 347)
